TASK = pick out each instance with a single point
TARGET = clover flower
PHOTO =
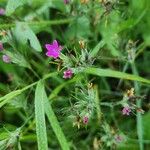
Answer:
(126, 110)
(53, 50)
(6, 58)
(68, 74)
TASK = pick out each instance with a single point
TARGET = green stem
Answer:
(30, 137)
(136, 141)
(9, 96)
(34, 72)
(138, 103)
(124, 70)
(29, 127)
(97, 102)
(38, 23)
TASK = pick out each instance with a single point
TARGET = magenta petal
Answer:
(6, 58)
(85, 120)
(49, 47)
(60, 48)
(53, 49)
(1, 46)
(67, 74)
(53, 54)
(2, 11)
(126, 111)
(55, 44)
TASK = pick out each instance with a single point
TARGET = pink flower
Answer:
(53, 50)
(6, 58)
(118, 138)
(85, 120)
(2, 11)
(68, 74)
(126, 110)
(66, 1)
(1, 46)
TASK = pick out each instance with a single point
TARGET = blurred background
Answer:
(123, 28)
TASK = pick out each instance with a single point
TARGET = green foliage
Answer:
(12, 5)
(115, 74)
(105, 46)
(40, 117)
(55, 125)
(96, 49)
(18, 59)
(146, 126)
(78, 27)
(23, 33)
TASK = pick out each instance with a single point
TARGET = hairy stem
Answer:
(38, 23)
(138, 116)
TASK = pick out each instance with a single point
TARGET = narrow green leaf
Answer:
(18, 58)
(125, 25)
(40, 117)
(146, 123)
(139, 118)
(115, 74)
(55, 124)
(12, 5)
(78, 27)
(6, 98)
(57, 4)
(97, 103)
(3, 144)
(63, 85)
(95, 51)
(130, 23)
(39, 24)
(24, 33)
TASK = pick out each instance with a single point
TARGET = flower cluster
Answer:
(68, 74)
(129, 103)
(85, 119)
(126, 110)
(6, 59)
(84, 107)
(81, 121)
(111, 137)
(53, 50)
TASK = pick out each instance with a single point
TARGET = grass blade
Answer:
(12, 5)
(24, 33)
(115, 74)
(40, 117)
(6, 98)
(139, 118)
(63, 85)
(94, 52)
(55, 124)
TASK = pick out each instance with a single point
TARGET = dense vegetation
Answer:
(74, 74)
